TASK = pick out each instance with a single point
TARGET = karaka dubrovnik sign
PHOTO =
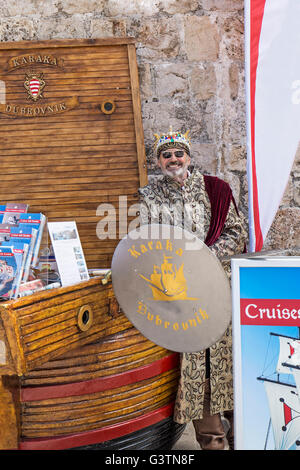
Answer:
(34, 83)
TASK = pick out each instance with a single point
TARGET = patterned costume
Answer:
(164, 200)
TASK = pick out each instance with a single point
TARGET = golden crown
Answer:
(176, 139)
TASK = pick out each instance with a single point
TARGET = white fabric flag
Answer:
(272, 31)
(284, 409)
(296, 374)
(289, 353)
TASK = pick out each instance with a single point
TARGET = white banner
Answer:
(289, 353)
(285, 414)
(272, 39)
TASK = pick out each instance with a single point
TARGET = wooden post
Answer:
(9, 412)
(137, 110)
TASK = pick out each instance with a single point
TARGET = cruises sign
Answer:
(266, 352)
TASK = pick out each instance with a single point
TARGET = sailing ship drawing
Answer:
(168, 282)
(283, 394)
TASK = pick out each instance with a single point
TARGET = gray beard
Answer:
(179, 173)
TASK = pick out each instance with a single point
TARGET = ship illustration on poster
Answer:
(283, 395)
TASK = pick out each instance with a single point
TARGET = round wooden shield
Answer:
(171, 287)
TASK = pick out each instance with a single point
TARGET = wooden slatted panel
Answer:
(65, 165)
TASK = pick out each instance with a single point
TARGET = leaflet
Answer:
(68, 252)
(8, 269)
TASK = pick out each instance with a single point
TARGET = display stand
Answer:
(74, 371)
(266, 351)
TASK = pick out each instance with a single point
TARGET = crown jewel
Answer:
(172, 139)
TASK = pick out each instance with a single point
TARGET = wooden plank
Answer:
(91, 113)
(137, 115)
(112, 71)
(97, 421)
(109, 43)
(45, 56)
(121, 137)
(63, 366)
(122, 130)
(63, 171)
(89, 140)
(69, 125)
(101, 149)
(9, 413)
(87, 405)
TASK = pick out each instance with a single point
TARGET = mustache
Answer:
(179, 164)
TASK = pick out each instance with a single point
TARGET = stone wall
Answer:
(191, 64)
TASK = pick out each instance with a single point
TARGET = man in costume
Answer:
(205, 391)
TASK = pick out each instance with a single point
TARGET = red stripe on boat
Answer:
(99, 435)
(102, 383)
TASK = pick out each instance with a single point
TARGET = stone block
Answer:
(232, 32)
(121, 8)
(234, 182)
(22, 8)
(157, 39)
(61, 27)
(234, 123)
(201, 39)
(174, 6)
(296, 188)
(146, 82)
(287, 199)
(222, 5)
(102, 28)
(233, 80)
(75, 7)
(17, 29)
(204, 156)
(203, 81)
(171, 80)
(285, 230)
(237, 158)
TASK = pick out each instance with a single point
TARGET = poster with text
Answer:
(266, 352)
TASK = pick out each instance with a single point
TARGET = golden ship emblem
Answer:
(167, 282)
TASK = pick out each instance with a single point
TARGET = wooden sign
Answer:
(72, 135)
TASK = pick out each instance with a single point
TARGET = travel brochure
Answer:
(68, 252)
(25, 266)
(20, 240)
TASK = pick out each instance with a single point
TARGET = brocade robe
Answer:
(165, 201)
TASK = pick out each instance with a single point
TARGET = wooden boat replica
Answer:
(74, 372)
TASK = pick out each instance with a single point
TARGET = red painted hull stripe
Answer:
(99, 435)
(102, 383)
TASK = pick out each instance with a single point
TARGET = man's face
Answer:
(174, 162)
